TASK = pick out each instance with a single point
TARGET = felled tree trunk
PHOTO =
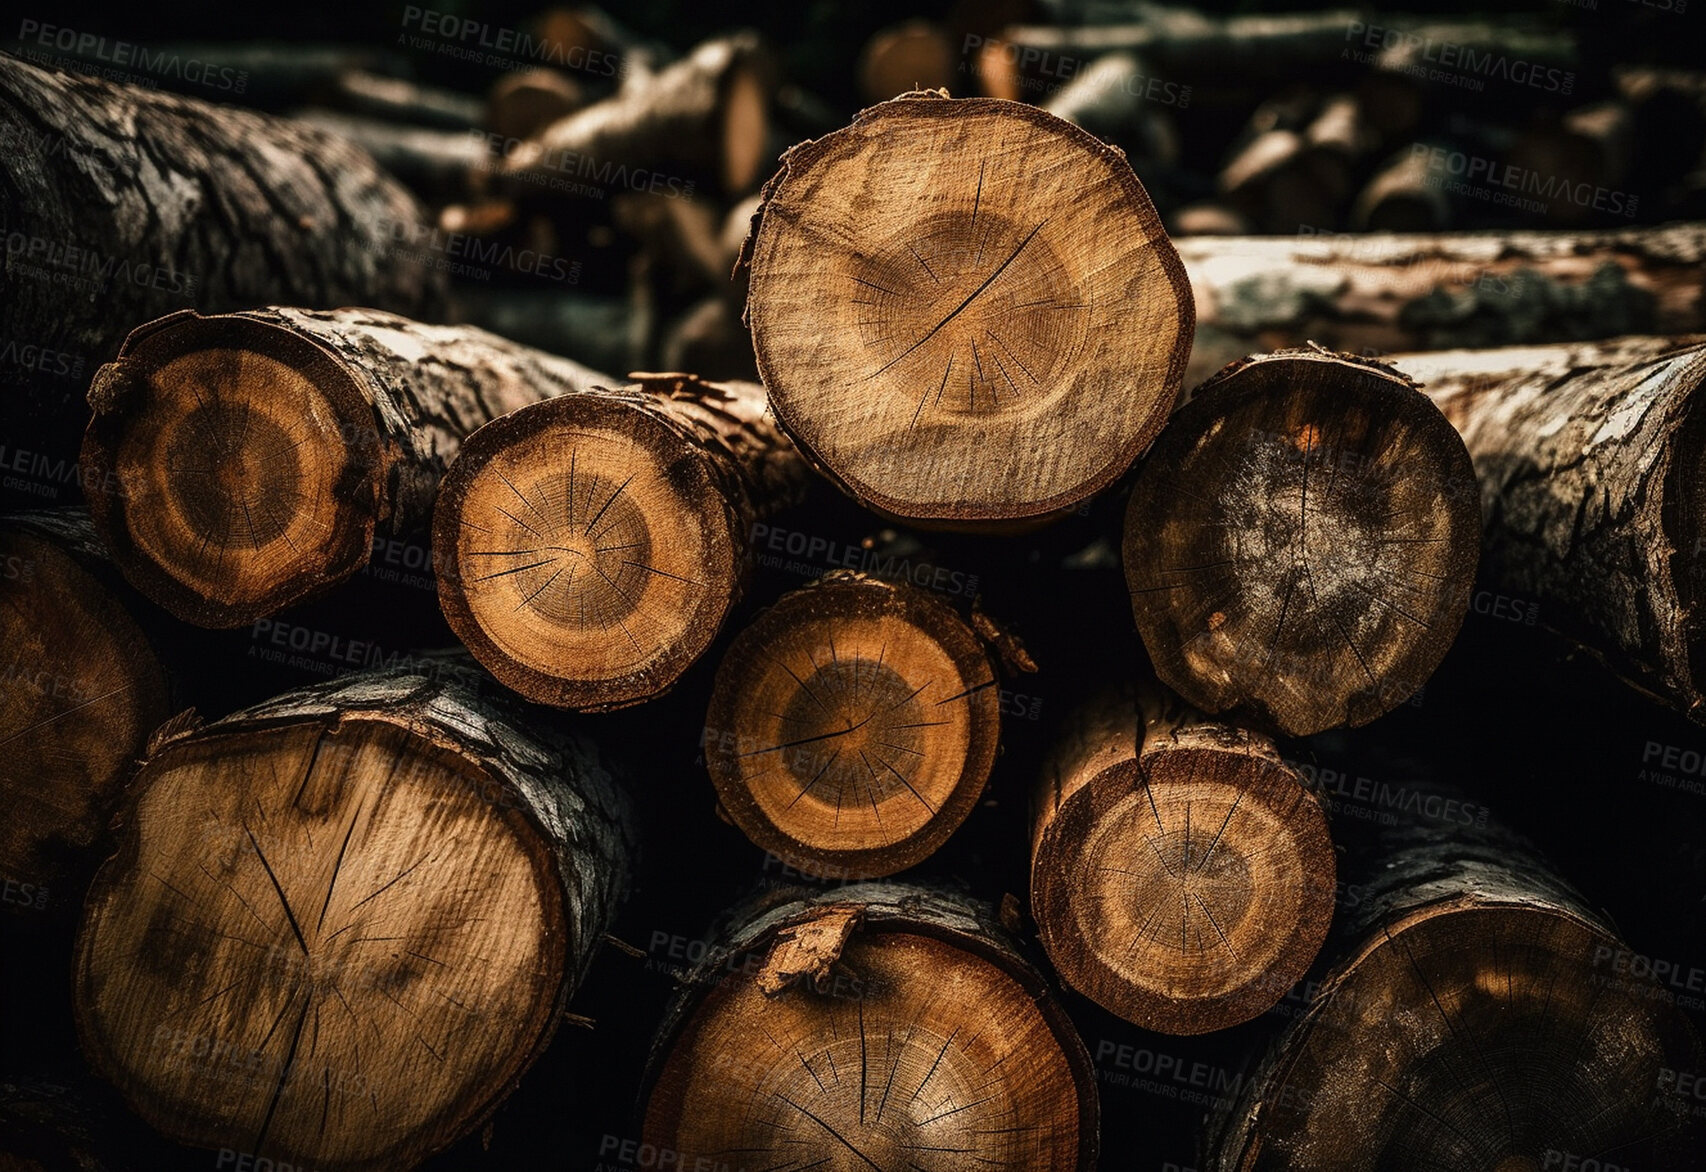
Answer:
(1380, 293)
(817, 1030)
(852, 726)
(589, 546)
(1476, 1019)
(1592, 466)
(1301, 543)
(82, 689)
(993, 355)
(1181, 874)
(241, 463)
(124, 204)
(342, 924)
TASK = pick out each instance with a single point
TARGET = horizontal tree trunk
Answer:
(1592, 465)
(817, 1030)
(589, 546)
(1475, 1019)
(440, 166)
(342, 924)
(242, 463)
(82, 689)
(596, 329)
(993, 356)
(853, 726)
(1177, 930)
(124, 204)
(1381, 293)
(1301, 543)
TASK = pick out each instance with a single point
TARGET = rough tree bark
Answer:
(966, 310)
(1379, 293)
(866, 1027)
(1182, 876)
(342, 924)
(1477, 1019)
(589, 546)
(240, 463)
(122, 204)
(82, 687)
(1301, 543)
(1592, 465)
(852, 726)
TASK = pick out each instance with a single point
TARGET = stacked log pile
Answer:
(998, 586)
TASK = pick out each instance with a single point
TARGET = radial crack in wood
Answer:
(966, 311)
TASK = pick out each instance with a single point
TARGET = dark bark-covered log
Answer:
(879, 1025)
(123, 204)
(589, 546)
(1476, 1019)
(1380, 293)
(711, 339)
(394, 99)
(438, 165)
(1403, 196)
(82, 688)
(1181, 874)
(1119, 99)
(244, 462)
(342, 924)
(1301, 543)
(966, 311)
(701, 121)
(523, 103)
(1592, 464)
(853, 726)
(593, 328)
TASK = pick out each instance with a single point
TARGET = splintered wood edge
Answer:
(120, 394)
(958, 515)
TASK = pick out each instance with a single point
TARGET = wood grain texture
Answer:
(966, 311)
(343, 923)
(246, 461)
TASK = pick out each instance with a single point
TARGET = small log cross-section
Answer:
(342, 924)
(1475, 1020)
(1592, 462)
(1301, 543)
(80, 690)
(1181, 874)
(242, 463)
(878, 1026)
(852, 726)
(589, 546)
(966, 310)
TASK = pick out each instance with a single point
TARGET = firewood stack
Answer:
(1000, 586)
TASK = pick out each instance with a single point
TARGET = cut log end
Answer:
(746, 128)
(966, 309)
(1485, 1037)
(922, 1054)
(287, 956)
(80, 692)
(1188, 893)
(587, 555)
(231, 467)
(1302, 542)
(852, 727)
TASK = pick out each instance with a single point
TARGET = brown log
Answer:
(917, 55)
(523, 103)
(81, 690)
(876, 1026)
(1301, 543)
(1475, 1019)
(393, 99)
(853, 726)
(244, 462)
(1403, 196)
(440, 166)
(342, 924)
(190, 213)
(589, 546)
(1592, 466)
(994, 351)
(700, 121)
(1181, 874)
(1381, 293)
